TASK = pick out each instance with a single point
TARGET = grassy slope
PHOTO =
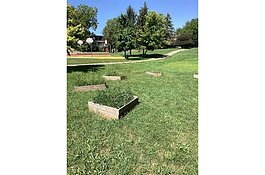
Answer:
(158, 137)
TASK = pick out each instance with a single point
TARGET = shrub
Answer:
(113, 97)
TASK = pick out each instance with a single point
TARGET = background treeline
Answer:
(148, 30)
(187, 36)
(145, 30)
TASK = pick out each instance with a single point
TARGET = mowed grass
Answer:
(91, 60)
(149, 52)
(116, 57)
(159, 136)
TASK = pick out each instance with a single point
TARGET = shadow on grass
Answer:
(147, 56)
(84, 68)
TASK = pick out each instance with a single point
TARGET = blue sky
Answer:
(180, 10)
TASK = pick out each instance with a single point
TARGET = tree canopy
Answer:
(153, 34)
(110, 31)
(148, 30)
(188, 35)
(169, 31)
(79, 21)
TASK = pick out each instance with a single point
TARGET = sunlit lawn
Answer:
(91, 60)
(117, 57)
(160, 136)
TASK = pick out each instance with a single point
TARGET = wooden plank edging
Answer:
(90, 87)
(112, 77)
(155, 74)
(111, 112)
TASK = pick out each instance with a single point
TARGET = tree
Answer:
(123, 38)
(189, 32)
(169, 31)
(87, 17)
(141, 19)
(120, 31)
(79, 21)
(184, 40)
(153, 34)
(110, 31)
(74, 33)
(130, 25)
(131, 16)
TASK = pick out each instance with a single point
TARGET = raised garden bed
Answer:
(112, 112)
(155, 74)
(88, 82)
(113, 103)
(113, 77)
(90, 87)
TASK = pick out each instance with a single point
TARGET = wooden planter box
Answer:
(90, 87)
(110, 112)
(112, 77)
(155, 74)
(195, 76)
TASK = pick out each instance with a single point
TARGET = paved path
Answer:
(129, 62)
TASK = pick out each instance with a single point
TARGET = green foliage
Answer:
(73, 35)
(126, 35)
(142, 17)
(147, 31)
(79, 21)
(169, 31)
(113, 97)
(110, 31)
(184, 40)
(153, 36)
(87, 16)
(189, 33)
(131, 16)
(140, 25)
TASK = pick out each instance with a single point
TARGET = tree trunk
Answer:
(125, 54)
(68, 52)
(143, 53)
(130, 52)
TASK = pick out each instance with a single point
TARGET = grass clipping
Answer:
(113, 97)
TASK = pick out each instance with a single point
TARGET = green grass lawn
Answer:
(139, 53)
(91, 60)
(160, 136)
(136, 55)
